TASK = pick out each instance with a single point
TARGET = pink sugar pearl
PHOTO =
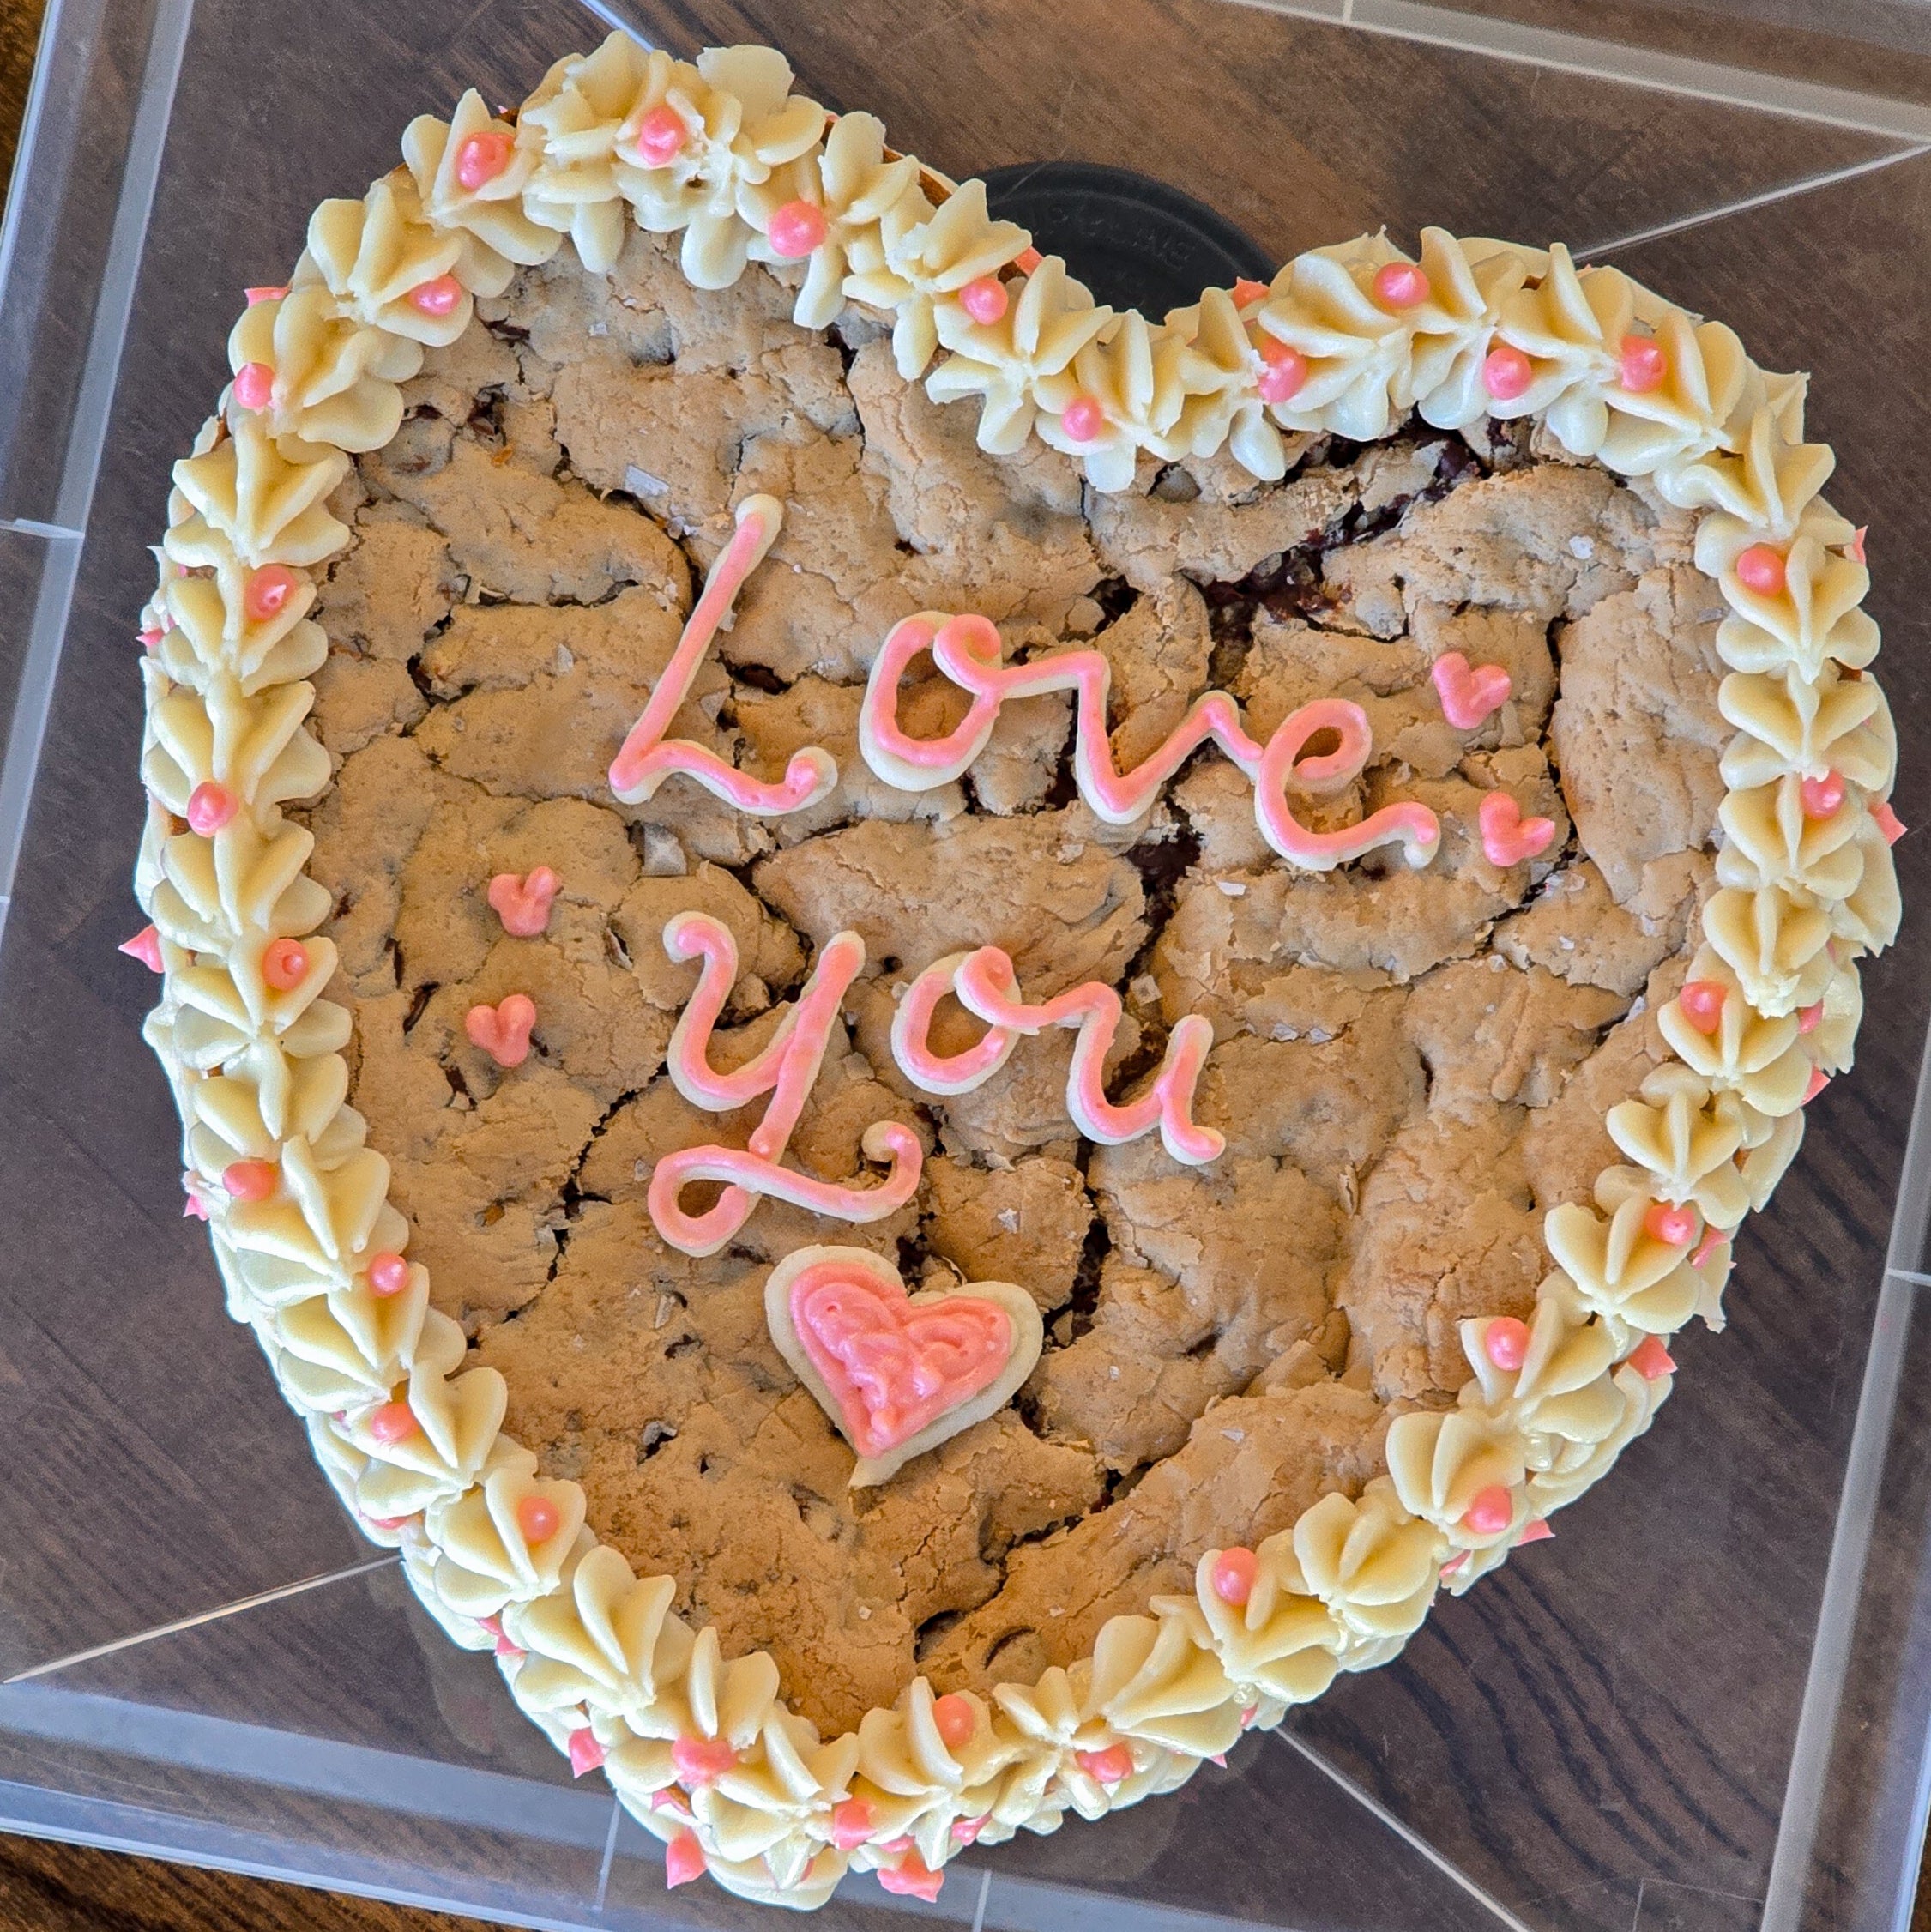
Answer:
(984, 299)
(254, 385)
(482, 158)
(1490, 1512)
(1082, 418)
(661, 134)
(1506, 1343)
(393, 1422)
(1645, 366)
(1401, 285)
(538, 1517)
(1113, 1766)
(437, 297)
(1506, 372)
(285, 965)
(1283, 370)
(389, 1273)
(955, 1719)
(1651, 1360)
(1822, 796)
(210, 806)
(1672, 1225)
(796, 229)
(1761, 569)
(251, 1181)
(267, 591)
(1233, 1574)
(1702, 1001)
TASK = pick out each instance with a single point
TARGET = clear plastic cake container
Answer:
(1704, 1706)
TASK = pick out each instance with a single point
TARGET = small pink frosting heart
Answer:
(523, 904)
(502, 1031)
(894, 1368)
(1469, 695)
(1507, 837)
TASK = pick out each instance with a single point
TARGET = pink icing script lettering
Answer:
(987, 986)
(968, 650)
(647, 758)
(892, 1366)
(785, 1069)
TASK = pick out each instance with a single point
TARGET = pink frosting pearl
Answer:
(796, 229)
(1822, 796)
(955, 1719)
(701, 1760)
(1283, 370)
(1490, 1511)
(1506, 372)
(1702, 1001)
(1113, 1766)
(393, 1422)
(481, 158)
(437, 296)
(254, 385)
(1651, 1360)
(251, 1181)
(1233, 1574)
(684, 1860)
(210, 806)
(585, 1753)
(661, 135)
(1507, 1342)
(389, 1273)
(1761, 569)
(1674, 1226)
(537, 1516)
(285, 965)
(851, 1824)
(267, 591)
(984, 299)
(1401, 285)
(1646, 367)
(1082, 418)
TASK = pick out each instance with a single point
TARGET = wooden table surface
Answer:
(49, 1887)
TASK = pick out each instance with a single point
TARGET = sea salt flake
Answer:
(1318, 1036)
(1232, 887)
(1145, 988)
(1582, 548)
(599, 329)
(566, 660)
(667, 1306)
(1284, 1031)
(1234, 1435)
(642, 483)
(1008, 1219)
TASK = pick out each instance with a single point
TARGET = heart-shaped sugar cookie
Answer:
(898, 1374)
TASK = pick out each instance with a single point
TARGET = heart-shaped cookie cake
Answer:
(943, 1035)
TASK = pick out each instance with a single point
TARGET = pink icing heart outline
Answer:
(1469, 697)
(897, 1373)
(1507, 837)
(894, 1367)
(502, 1031)
(523, 903)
